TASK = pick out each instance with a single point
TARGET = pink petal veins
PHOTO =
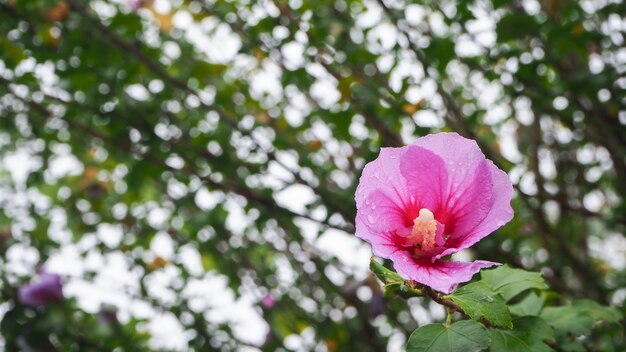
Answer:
(382, 195)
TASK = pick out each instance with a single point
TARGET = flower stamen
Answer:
(424, 231)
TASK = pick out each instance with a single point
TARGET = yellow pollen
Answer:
(424, 231)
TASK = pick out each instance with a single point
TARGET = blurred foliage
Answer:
(189, 119)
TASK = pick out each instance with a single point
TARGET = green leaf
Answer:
(569, 345)
(388, 277)
(597, 311)
(515, 26)
(479, 301)
(511, 282)
(462, 336)
(528, 335)
(577, 319)
(568, 319)
(531, 304)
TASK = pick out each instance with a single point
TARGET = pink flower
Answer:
(48, 289)
(420, 203)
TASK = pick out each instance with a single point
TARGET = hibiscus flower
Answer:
(420, 203)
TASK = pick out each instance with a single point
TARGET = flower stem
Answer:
(449, 317)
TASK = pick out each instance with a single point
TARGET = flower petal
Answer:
(426, 177)
(500, 212)
(384, 244)
(382, 196)
(475, 198)
(440, 275)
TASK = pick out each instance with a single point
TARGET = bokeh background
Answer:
(189, 167)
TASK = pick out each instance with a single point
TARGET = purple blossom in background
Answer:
(47, 289)
(108, 316)
(268, 301)
(420, 203)
(136, 4)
